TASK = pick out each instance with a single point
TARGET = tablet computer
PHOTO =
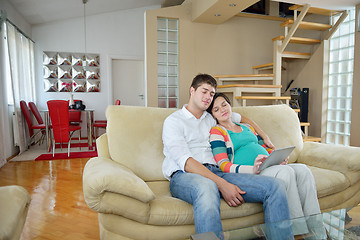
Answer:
(276, 157)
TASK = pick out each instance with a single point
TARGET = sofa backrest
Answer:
(135, 134)
(135, 138)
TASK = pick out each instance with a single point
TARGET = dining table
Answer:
(89, 123)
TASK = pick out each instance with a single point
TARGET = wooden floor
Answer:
(57, 209)
(355, 215)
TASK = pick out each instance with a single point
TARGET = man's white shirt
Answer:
(185, 136)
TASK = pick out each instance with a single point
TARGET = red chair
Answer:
(74, 115)
(38, 117)
(36, 113)
(102, 123)
(41, 127)
(59, 116)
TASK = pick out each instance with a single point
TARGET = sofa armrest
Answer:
(102, 146)
(105, 175)
(329, 156)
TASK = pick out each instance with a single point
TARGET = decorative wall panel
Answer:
(71, 72)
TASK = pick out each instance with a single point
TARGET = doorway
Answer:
(128, 81)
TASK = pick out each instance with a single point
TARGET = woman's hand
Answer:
(285, 162)
(268, 142)
(258, 161)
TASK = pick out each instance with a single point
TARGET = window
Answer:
(341, 65)
(167, 43)
(19, 62)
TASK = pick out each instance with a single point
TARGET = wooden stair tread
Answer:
(311, 139)
(299, 40)
(263, 65)
(298, 53)
(267, 66)
(249, 86)
(308, 25)
(314, 10)
(263, 97)
(304, 124)
(244, 75)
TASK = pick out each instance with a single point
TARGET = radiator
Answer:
(15, 130)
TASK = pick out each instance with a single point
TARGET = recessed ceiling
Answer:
(42, 11)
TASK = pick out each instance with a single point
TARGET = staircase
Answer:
(267, 87)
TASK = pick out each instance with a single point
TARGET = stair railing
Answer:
(294, 27)
(337, 24)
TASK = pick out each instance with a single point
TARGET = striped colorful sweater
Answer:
(223, 148)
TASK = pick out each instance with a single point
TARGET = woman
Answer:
(238, 148)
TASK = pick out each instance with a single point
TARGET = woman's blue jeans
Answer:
(204, 195)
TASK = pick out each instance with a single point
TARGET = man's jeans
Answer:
(204, 195)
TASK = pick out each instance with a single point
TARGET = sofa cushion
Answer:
(114, 203)
(166, 210)
(120, 228)
(116, 227)
(328, 181)
(344, 199)
(134, 139)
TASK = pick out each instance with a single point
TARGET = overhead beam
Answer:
(218, 11)
(170, 3)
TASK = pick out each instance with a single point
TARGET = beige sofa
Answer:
(125, 184)
(14, 206)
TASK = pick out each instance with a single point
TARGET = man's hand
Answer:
(231, 194)
(258, 162)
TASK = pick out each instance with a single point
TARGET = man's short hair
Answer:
(203, 78)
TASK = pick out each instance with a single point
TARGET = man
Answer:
(193, 173)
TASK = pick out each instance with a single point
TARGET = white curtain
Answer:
(3, 98)
(22, 72)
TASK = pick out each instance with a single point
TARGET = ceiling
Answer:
(42, 11)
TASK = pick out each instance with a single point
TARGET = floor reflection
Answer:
(57, 209)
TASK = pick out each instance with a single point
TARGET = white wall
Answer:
(15, 17)
(116, 35)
